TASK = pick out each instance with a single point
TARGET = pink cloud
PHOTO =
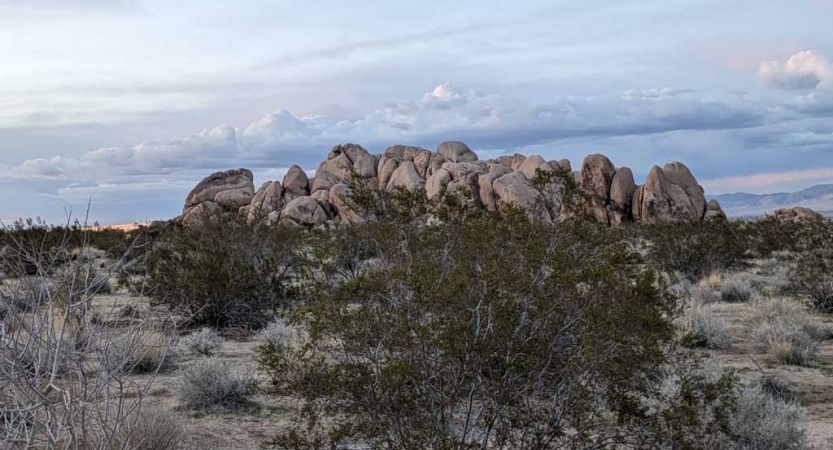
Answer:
(765, 182)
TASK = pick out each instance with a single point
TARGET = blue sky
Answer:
(128, 103)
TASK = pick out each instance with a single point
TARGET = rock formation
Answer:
(669, 194)
(797, 214)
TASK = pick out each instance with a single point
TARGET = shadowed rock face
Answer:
(669, 194)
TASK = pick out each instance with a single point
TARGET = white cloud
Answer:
(803, 70)
(484, 121)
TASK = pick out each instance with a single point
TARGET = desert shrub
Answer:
(464, 324)
(703, 293)
(735, 289)
(812, 274)
(202, 342)
(143, 351)
(755, 420)
(223, 273)
(278, 333)
(212, 383)
(787, 343)
(700, 327)
(784, 330)
(64, 365)
(697, 248)
(775, 387)
(150, 429)
(767, 422)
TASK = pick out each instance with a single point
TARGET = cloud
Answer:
(804, 70)
(485, 121)
(766, 181)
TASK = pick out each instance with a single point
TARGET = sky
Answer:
(119, 107)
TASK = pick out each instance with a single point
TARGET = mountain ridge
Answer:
(741, 204)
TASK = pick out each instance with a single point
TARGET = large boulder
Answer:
(200, 213)
(208, 188)
(662, 201)
(678, 174)
(269, 198)
(406, 176)
(531, 165)
(346, 159)
(234, 199)
(486, 188)
(437, 182)
(324, 181)
(516, 190)
(295, 184)
(340, 202)
(596, 176)
(304, 211)
(420, 157)
(456, 151)
(622, 188)
(387, 165)
(714, 211)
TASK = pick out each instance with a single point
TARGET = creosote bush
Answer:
(697, 248)
(213, 383)
(488, 332)
(812, 274)
(223, 273)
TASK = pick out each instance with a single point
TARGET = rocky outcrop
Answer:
(797, 214)
(669, 194)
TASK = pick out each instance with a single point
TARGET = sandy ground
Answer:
(812, 386)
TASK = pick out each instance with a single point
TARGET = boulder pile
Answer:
(669, 194)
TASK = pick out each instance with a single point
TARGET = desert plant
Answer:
(755, 419)
(150, 429)
(202, 342)
(212, 383)
(57, 350)
(783, 329)
(787, 343)
(700, 327)
(224, 273)
(735, 289)
(704, 294)
(812, 274)
(453, 341)
(767, 422)
(145, 350)
(697, 248)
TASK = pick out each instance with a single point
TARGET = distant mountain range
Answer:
(818, 198)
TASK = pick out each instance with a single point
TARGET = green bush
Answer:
(812, 273)
(696, 249)
(224, 273)
(493, 324)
